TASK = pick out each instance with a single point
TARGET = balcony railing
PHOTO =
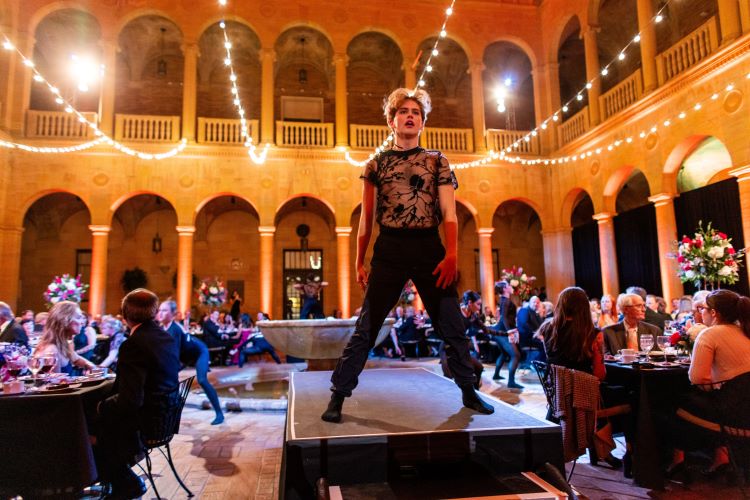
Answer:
(150, 128)
(498, 140)
(688, 52)
(621, 95)
(225, 131)
(448, 139)
(367, 136)
(57, 125)
(318, 135)
(573, 127)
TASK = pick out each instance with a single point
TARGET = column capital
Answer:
(343, 230)
(185, 230)
(190, 47)
(559, 230)
(485, 231)
(109, 45)
(266, 230)
(100, 229)
(341, 58)
(477, 66)
(267, 53)
(590, 30)
(603, 217)
(662, 199)
(742, 173)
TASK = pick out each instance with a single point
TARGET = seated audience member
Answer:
(696, 326)
(528, 321)
(147, 384)
(211, 331)
(10, 331)
(721, 353)
(227, 327)
(255, 343)
(650, 316)
(39, 320)
(596, 309)
(659, 306)
(571, 340)
(389, 346)
(549, 309)
(64, 321)
(192, 352)
(471, 309)
(28, 327)
(686, 307)
(408, 332)
(84, 341)
(505, 335)
(627, 333)
(608, 314)
(471, 304)
(112, 328)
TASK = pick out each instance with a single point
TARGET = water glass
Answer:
(647, 343)
(663, 342)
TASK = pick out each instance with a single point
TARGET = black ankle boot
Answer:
(472, 401)
(333, 412)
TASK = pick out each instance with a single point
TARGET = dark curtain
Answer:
(588, 267)
(638, 249)
(718, 203)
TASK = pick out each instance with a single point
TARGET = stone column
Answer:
(648, 45)
(608, 253)
(10, 256)
(486, 270)
(546, 80)
(189, 90)
(410, 78)
(344, 266)
(99, 251)
(745, 15)
(185, 237)
(743, 176)
(477, 106)
(267, 126)
(266, 267)
(666, 230)
(559, 270)
(340, 62)
(107, 89)
(729, 20)
(18, 90)
(592, 73)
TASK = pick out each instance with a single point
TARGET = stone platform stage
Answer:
(407, 428)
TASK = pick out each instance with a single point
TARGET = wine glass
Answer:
(35, 364)
(15, 367)
(48, 364)
(663, 342)
(647, 343)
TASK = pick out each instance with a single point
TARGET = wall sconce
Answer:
(156, 244)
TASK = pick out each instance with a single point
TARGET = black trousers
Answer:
(400, 255)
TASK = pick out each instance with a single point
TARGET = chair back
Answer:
(548, 385)
(734, 407)
(162, 420)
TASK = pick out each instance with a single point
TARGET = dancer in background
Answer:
(409, 191)
(311, 297)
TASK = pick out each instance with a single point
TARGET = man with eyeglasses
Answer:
(627, 333)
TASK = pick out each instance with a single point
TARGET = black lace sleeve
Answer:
(444, 173)
(370, 173)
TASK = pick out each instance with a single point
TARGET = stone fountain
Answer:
(319, 341)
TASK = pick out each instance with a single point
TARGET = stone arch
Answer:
(226, 18)
(527, 201)
(29, 201)
(571, 60)
(613, 185)
(41, 13)
(509, 68)
(471, 208)
(208, 199)
(569, 204)
(522, 218)
(322, 200)
(135, 14)
(382, 31)
(449, 84)
(55, 231)
(518, 42)
(116, 204)
(559, 34)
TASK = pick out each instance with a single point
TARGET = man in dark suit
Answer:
(146, 385)
(528, 321)
(627, 333)
(10, 331)
(651, 317)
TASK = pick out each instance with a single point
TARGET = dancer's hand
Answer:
(446, 271)
(362, 276)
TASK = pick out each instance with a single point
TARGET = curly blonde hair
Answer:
(396, 99)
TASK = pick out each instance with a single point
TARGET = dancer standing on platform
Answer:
(409, 191)
(311, 297)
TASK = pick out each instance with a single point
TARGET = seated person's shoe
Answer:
(513, 385)
(472, 401)
(497, 376)
(127, 488)
(333, 412)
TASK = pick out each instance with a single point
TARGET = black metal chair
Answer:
(157, 432)
(548, 385)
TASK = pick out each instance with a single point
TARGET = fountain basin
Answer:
(315, 339)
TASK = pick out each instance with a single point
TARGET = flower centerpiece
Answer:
(519, 280)
(408, 293)
(65, 287)
(212, 293)
(685, 332)
(708, 260)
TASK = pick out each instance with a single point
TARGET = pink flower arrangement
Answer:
(708, 260)
(519, 280)
(65, 287)
(212, 293)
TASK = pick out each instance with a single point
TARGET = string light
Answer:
(102, 138)
(578, 96)
(421, 82)
(256, 158)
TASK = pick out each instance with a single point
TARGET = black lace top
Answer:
(407, 185)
